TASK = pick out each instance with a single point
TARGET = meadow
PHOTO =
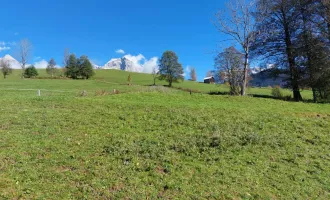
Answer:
(157, 142)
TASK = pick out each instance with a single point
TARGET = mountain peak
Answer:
(12, 61)
(122, 64)
(8, 57)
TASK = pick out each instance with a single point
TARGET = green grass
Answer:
(157, 143)
(116, 79)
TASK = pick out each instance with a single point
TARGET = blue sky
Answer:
(98, 28)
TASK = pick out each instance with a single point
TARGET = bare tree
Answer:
(25, 48)
(238, 23)
(51, 67)
(209, 74)
(5, 68)
(193, 75)
(229, 65)
(66, 57)
(154, 74)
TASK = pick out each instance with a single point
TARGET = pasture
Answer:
(157, 142)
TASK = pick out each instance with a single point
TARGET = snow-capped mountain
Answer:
(122, 64)
(14, 64)
(256, 70)
(95, 66)
(12, 61)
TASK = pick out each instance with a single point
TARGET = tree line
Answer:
(293, 35)
(75, 68)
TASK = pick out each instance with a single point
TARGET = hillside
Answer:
(117, 79)
(149, 142)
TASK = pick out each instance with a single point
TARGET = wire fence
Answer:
(37, 92)
(30, 92)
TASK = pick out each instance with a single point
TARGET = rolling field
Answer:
(156, 142)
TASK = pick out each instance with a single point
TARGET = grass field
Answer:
(156, 142)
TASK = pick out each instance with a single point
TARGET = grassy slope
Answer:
(153, 144)
(115, 79)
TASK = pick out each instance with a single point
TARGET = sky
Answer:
(106, 29)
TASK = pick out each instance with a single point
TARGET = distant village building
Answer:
(209, 80)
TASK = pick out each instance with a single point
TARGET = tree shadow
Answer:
(262, 96)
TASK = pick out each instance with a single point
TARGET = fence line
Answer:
(36, 90)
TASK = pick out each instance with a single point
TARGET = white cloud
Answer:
(120, 51)
(140, 62)
(149, 65)
(4, 48)
(16, 33)
(187, 70)
(42, 64)
(11, 43)
(37, 58)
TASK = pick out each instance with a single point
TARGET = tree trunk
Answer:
(328, 31)
(314, 95)
(292, 64)
(23, 70)
(246, 63)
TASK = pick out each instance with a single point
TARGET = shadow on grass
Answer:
(263, 96)
(178, 88)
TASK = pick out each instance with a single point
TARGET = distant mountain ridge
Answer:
(115, 63)
(122, 64)
(12, 61)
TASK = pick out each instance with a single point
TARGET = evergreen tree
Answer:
(85, 68)
(79, 68)
(71, 67)
(30, 72)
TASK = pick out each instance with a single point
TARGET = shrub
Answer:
(129, 79)
(115, 91)
(30, 72)
(276, 92)
(101, 93)
(83, 93)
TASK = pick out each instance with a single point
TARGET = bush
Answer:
(30, 72)
(115, 91)
(276, 92)
(101, 93)
(83, 93)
